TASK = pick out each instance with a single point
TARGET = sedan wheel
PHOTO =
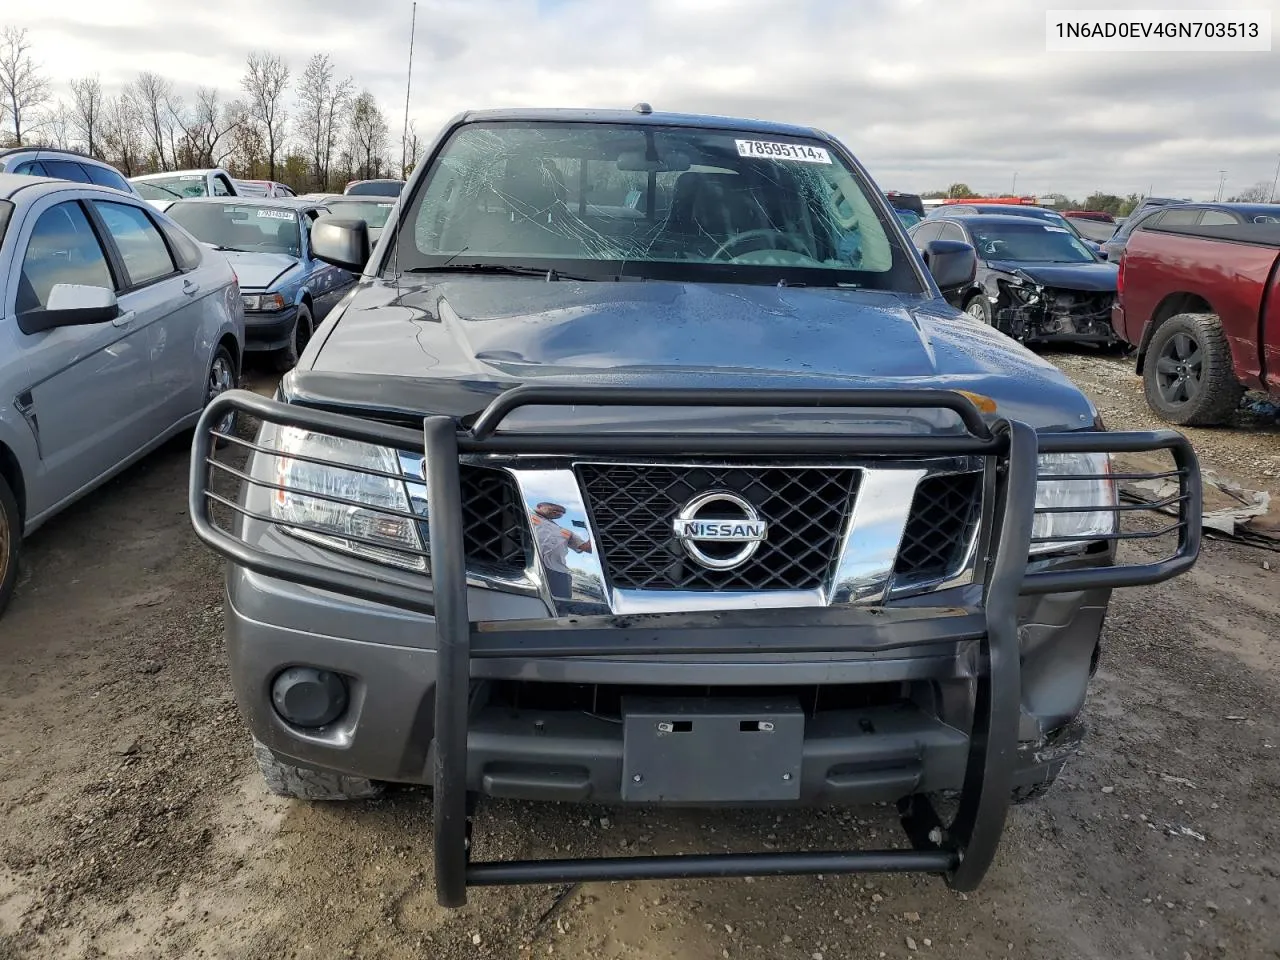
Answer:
(979, 310)
(10, 537)
(222, 377)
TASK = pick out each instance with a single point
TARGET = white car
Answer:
(162, 189)
(116, 328)
(263, 188)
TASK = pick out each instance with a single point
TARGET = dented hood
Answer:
(450, 344)
(1090, 277)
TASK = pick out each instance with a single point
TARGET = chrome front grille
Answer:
(633, 508)
(944, 517)
(495, 525)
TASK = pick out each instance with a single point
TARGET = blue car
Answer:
(286, 292)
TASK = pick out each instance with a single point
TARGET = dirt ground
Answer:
(135, 824)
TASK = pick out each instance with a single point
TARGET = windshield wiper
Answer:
(232, 249)
(511, 270)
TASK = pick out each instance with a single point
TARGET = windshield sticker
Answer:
(276, 214)
(782, 151)
(1058, 229)
(191, 178)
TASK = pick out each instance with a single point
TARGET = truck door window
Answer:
(63, 249)
(1180, 218)
(1216, 218)
(221, 188)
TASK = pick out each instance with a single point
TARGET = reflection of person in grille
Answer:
(554, 544)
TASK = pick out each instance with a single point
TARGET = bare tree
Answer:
(1260, 192)
(266, 80)
(124, 135)
(412, 146)
(367, 133)
(24, 88)
(211, 123)
(152, 94)
(86, 93)
(59, 125)
(321, 99)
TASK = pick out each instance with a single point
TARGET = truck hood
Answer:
(1093, 277)
(449, 345)
(258, 271)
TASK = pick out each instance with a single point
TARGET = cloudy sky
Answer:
(926, 92)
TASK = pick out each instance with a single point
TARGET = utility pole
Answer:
(404, 137)
(1222, 182)
(1013, 191)
(1275, 180)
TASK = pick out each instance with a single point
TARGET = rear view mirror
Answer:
(342, 242)
(71, 305)
(953, 263)
(635, 161)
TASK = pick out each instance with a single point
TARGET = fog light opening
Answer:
(309, 698)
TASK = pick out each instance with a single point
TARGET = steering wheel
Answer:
(789, 242)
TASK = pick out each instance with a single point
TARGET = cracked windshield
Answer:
(652, 202)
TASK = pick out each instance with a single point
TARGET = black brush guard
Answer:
(961, 850)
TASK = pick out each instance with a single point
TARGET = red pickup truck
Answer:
(1202, 305)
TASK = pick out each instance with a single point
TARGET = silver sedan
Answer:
(116, 328)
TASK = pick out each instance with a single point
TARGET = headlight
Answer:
(1077, 494)
(352, 529)
(264, 301)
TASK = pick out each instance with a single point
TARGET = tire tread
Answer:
(307, 783)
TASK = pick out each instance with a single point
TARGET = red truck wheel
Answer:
(1187, 375)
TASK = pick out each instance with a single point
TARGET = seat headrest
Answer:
(532, 189)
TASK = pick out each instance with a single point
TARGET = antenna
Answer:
(404, 137)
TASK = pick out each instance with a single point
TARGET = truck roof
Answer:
(634, 116)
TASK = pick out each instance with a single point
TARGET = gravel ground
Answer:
(135, 824)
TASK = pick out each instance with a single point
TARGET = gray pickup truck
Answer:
(646, 463)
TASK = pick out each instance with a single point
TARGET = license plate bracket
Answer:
(705, 750)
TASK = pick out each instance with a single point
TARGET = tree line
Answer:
(314, 132)
(1111, 203)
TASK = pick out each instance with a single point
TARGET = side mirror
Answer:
(953, 263)
(341, 242)
(71, 305)
(1101, 252)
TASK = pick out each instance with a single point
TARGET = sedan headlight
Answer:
(361, 525)
(1073, 497)
(257, 303)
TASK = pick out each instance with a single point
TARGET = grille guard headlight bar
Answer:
(326, 497)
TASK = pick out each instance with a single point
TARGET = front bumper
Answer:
(914, 741)
(269, 330)
(1088, 320)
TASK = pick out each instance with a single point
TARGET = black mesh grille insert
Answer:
(944, 513)
(494, 525)
(633, 509)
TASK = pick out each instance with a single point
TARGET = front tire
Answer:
(221, 378)
(10, 543)
(287, 358)
(980, 309)
(286, 779)
(1187, 375)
